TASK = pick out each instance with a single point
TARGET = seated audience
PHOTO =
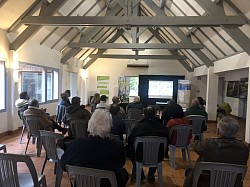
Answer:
(48, 123)
(77, 111)
(94, 101)
(102, 104)
(225, 149)
(151, 125)
(97, 150)
(121, 112)
(118, 127)
(195, 109)
(165, 113)
(22, 103)
(135, 104)
(177, 117)
(202, 102)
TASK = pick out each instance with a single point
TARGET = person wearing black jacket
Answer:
(151, 125)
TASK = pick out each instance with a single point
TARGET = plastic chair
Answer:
(197, 122)
(3, 147)
(82, 176)
(53, 153)
(9, 175)
(151, 146)
(134, 113)
(129, 125)
(78, 128)
(182, 141)
(34, 124)
(222, 174)
(61, 114)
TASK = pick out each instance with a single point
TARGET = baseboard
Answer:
(11, 132)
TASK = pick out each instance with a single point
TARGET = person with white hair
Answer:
(135, 104)
(224, 149)
(97, 150)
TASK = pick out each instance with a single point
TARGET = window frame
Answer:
(44, 77)
(5, 86)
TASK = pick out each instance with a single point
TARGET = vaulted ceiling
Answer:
(194, 32)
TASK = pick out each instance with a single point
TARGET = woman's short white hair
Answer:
(100, 123)
(228, 127)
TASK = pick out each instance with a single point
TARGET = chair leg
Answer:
(39, 146)
(188, 153)
(172, 156)
(22, 133)
(138, 174)
(159, 170)
(44, 163)
(27, 145)
(59, 174)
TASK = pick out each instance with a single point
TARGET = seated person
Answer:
(22, 103)
(165, 117)
(48, 123)
(77, 111)
(225, 149)
(121, 112)
(118, 127)
(94, 101)
(177, 117)
(195, 109)
(202, 102)
(97, 150)
(151, 125)
(135, 104)
(102, 104)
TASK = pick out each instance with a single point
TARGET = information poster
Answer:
(183, 97)
(103, 85)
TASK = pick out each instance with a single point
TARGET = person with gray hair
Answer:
(135, 104)
(225, 149)
(97, 150)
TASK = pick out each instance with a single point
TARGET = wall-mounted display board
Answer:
(233, 89)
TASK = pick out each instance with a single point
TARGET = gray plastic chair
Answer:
(89, 177)
(53, 153)
(182, 142)
(134, 113)
(34, 124)
(222, 174)
(151, 146)
(197, 122)
(78, 128)
(129, 125)
(20, 114)
(10, 177)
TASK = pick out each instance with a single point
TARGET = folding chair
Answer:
(53, 153)
(89, 177)
(182, 142)
(9, 175)
(151, 146)
(222, 174)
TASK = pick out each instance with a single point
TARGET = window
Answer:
(39, 82)
(2, 85)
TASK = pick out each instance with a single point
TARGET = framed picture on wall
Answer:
(233, 89)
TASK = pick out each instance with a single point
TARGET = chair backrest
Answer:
(78, 128)
(61, 114)
(134, 113)
(182, 134)
(197, 121)
(129, 125)
(151, 146)
(49, 142)
(9, 171)
(90, 177)
(34, 124)
(222, 174)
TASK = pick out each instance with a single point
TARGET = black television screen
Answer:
(160, 89)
